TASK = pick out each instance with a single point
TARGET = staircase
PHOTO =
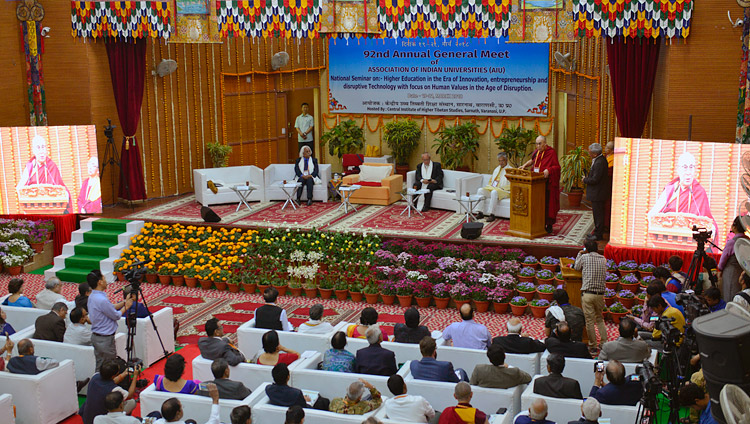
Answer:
(95, 245)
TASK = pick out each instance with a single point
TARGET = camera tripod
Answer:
(131, 320)
(112, 158)
(699, 259)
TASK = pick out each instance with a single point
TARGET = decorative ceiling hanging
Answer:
(633, 18)
(132, 19)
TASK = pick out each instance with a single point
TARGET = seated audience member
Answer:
(406, 408)
(104, 383)
(560, 342)
(517, 341)
(555, 384)
(497, 374)
(712, 295)
(7, 349)
(694, 397)
(619, 391)
(295, 415)
(171, 409)
(337, 358)
(27, 363)
(16, 297)
(468, 333)
(411, 331)
(367, 319)
(5, 328)
(429, 368)
(139, 309)
(215, 345)
(742, 298)
(46, 298)
(659, 287)
(626, 348)
(241, 415)
(315, 325)
(273, 352)
(462, 413)
(280, 393)
(591, 410)
(537, 413)
(564, 311)
(79, 332)
(662, 309)
(82, 300)
(52, 325)
(375, 359)
(228, 389)
(677, 278)
(271, 316)
(353, 404)
(644, 325)
(371, 420)
(172, 380)
(114, 403)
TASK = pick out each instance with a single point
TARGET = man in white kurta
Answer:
(497, 189)
(304, 125)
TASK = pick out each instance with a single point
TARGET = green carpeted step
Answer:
(83, 262)
(107, 224)
(93, 249)
(102, 236)
(73, 275)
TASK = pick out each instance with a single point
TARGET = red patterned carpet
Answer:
(318, 215)
(387, 220)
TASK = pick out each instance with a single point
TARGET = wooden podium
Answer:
(527, 203)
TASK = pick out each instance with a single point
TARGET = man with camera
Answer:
(593, 268)
(104, 317)
(673, 317)
(621, 390)
(694, 397)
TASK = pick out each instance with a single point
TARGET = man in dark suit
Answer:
(620, 390)
(597, 188)
(516, 341)
(429, 368)
(52, 326)
(228, 389)
(375, 359)
(560, 342)
(270, 316)
(429, 176)
(216, 346)
(279, 393)
(555, 385)
(306, 170)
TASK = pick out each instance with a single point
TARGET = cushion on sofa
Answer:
(370, 173)
(370, 183)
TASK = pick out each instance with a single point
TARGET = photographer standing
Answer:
(662, 309)
(593, 268)
(104, 317)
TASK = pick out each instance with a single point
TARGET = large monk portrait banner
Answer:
(664, 187)
(49, 170)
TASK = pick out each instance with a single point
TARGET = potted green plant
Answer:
(515, 142)
(346, 137)
(573, 168)
(545, 291)
(538, 307)
(518, 305)
(402, 137)
(456, 143)
(371, 293)
(527, 290)
(219, 154)
(617, 311)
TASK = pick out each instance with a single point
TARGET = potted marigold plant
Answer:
(518, 305)
(165, 273)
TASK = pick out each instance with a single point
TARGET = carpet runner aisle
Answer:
(95, 245)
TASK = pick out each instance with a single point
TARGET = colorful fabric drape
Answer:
(123, 19)
(632, 67)
(127, 66)
(633, 18)
(33, 48)
(743, 104)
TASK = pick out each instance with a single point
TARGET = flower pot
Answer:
(532, 266)
(545, 281)
(295, 291)
(281, 289)
(311, 293)
(249, 287)
(178, 280)
(38, 247)
(527, 295)
(442, 302)
(482, 305)
(220, 285)
(640, 301)
(460, 303)
(152, 278)
(617, 316)
(624, 272)
(164, 280)
(263, 287)
(423, 302)
(645, 274)
(404, 301)
(325, 293)
(605, 314)
(632, 287)
(205, 284)
(388, 299)
(233, 288)
(191, 282)
(626, 302)
(545, 296)
(612, 285)
(558, 281)
(608, 301)
(356, 296)
(500, 308)
(14, 270)
(524, 279)
(342, 295)
(371, 298)
(403, 170)
(538, 311)
(518, 310)
(120, 276)
(574, 198)
(549, 267)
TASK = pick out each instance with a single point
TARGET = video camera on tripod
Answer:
(670, 335)
(694, 306)
(109, 130)
(649, 380)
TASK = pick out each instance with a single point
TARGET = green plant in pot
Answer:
(219, 154)
(402, 137)
(456, 143)
(516, 143)
(346, 137)
(574, 166)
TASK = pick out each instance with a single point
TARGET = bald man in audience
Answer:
(468, 333)
(463, 413)
(537, 414)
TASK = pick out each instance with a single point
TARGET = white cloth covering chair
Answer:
(249, 339)
(6, 409)
(455, 183)
(227, 177)
(502, 207)
(251, 375)
(147, 346)
(195, 406)
(276, 173)
(21, 318)
(46, 398)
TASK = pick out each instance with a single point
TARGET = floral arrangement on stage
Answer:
(20, 239)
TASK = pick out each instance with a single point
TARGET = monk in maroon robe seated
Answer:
(40, 169)
(544, 160)
(463, 413)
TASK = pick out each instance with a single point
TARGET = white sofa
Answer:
(249, 339)
(227, 177)
(147, 346)
(455, 183)
(502, 207)
(6, 409)
(20, 318)
(566, 410)
(469, 358)
(506, 418)
(276, 173)
(195, 406)
(45, 398)
(251, 375)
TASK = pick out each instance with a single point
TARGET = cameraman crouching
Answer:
(692, 396)
(662, 309)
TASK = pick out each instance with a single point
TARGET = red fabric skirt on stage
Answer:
(64, 227)
(654, 256)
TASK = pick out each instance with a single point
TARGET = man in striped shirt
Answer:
(593, 268)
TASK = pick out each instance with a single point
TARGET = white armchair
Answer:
(455, 183)
(147, 346)
(21, 318)
(276, 173)
(45, 398)
(227, 177)
(502, 207)
(249, 339)
(195, 406)
(6, 409)
(251, 375)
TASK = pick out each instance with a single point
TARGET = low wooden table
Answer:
(572, 284)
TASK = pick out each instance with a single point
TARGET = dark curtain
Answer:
(128, 68)
(632, 68)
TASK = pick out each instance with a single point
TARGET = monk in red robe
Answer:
(463, 413)
(40, 169)
(90, 197)
(544, 160)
